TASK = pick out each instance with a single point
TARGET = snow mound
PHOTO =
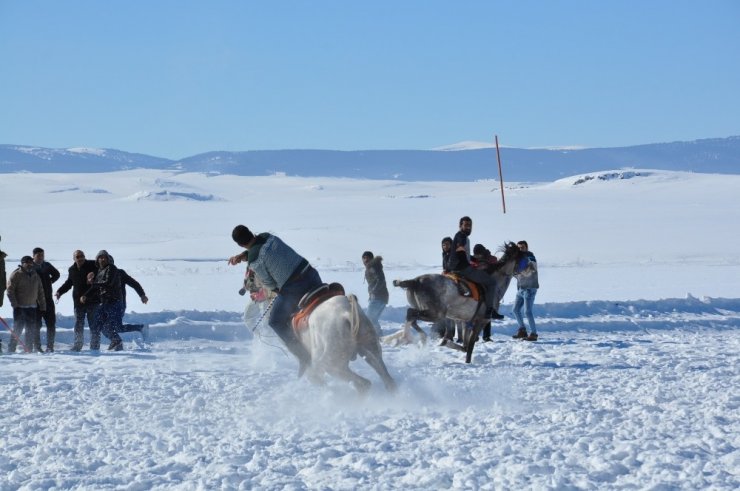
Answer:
(166, 195)
(611, 176)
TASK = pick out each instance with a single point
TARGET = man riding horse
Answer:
(459, 263)
(284, 271)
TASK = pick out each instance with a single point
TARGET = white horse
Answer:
(338, 330)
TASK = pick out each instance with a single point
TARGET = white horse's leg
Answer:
(374, 358)
(345, 373)
(451, 344)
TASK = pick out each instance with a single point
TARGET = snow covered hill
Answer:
(717, 155)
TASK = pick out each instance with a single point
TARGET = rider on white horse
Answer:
(283, 271)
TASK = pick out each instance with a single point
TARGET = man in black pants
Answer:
(77, 281)
(49, 274)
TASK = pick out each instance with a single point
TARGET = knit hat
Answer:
(102, 252)
(26, 259)
(368, 255)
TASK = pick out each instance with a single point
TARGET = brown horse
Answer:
(434, 297)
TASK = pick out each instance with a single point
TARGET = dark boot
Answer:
(116, 344)
(520, 334)
(491, 313)
(531, 337)
(50, 340)
(95, 341)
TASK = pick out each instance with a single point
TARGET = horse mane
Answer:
(510, 251)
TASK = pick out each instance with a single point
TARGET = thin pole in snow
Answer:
(500, 176)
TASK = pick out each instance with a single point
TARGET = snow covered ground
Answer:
(633, 384)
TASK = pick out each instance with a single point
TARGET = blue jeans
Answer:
(525, 298)
(286, 303)
(108, 319)
(374, 309)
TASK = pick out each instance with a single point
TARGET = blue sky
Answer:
(176, 78)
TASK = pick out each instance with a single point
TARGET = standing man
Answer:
(485, 261)
(107, 284)
(77, 281)
(48, 274)
(459, 263)
(446, 251)
(26, 296)
(445, 328)
(284, 271)
(3, 279)
(376, 288)
(527, 283)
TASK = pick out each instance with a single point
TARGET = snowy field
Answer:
(633, 384)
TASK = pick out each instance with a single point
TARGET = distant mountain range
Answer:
(716, 156)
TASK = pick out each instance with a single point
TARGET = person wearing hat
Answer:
(48, 274)
(376, 288)
(3, 278)
(26, 295)
(106, 284)
(282, 270)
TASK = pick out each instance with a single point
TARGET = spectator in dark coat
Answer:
(485, 262)
(107, 284)
(77, 281)
(49, 274)
(446, 251)
(3, 279)
(445, 328)
(127, 280)
(376, 288)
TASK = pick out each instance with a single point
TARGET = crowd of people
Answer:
(98, 295)
(277, 277)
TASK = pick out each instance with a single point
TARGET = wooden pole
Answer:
(500, 176)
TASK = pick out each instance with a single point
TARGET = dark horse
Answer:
(434, 297)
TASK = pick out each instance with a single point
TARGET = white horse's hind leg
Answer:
(343, 372)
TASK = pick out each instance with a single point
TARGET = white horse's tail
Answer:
(355, 315)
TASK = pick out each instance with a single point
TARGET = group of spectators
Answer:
(98, 294)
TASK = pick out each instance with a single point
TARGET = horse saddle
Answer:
(465, 287)
(313, 299)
